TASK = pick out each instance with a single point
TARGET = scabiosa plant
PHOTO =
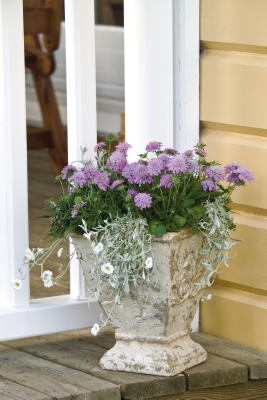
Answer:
(108, 198)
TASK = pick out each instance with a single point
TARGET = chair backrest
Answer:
(44, 16)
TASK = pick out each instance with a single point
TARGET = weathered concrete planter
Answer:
(152, 330)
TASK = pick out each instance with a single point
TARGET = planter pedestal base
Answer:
(156, 358)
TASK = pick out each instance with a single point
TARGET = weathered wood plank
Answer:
(215, 371)
(52, 379)
(84, 355)
(12, 391)
(255, 360)
(141, 386)
(252, 390)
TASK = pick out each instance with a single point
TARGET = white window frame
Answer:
(162, 103)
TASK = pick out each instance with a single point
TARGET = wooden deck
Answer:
(66, 366)
(42, 186)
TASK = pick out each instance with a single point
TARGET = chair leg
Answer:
(52, 121)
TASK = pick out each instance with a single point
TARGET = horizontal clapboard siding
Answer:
(248, 269)
(234, 25)
(109, 81)
(233, 119)
(236, 316)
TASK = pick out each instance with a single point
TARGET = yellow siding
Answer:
(236, 316)
(234, 25)
(233, 118)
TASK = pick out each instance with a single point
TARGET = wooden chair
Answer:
(45, 16)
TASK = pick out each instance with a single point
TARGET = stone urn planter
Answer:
(152, 330)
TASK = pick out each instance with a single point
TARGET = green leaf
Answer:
(160, 229)
(179, 221)
(152, 226)
(187, 203)
(200, 210)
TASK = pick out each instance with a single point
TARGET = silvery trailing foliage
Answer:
(216, 225)
(122, 255)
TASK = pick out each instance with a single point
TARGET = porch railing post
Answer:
(13, 154)
(162, 75)
(162, 72)
(81, 96)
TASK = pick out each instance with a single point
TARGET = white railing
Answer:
(161, 100)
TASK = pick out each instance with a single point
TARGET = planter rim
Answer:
(166, 238)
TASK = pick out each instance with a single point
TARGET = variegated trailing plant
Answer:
(122, 205)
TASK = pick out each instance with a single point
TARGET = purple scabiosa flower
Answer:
(177, 164)
(152, 146)
(68, 171)
(76, 208)
(131, 192)
(239, 175)
(90, 171)
(143, 175)
(143, 200)
(123, 147)
(188, 154)
(79, 179)
(215, 172)
(155, 166)
(170, 152)
(208, 184)
(101, 180)
(129, 171)
(232, 167)
(116, 183)
(200, 152)
(118, 161)
(164, 159)
(165, 180)
(101, 144)
(192, 165)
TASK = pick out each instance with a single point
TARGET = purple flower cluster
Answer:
(68, 171)
(116, 183)
(200, 152)
(143, 200)
(123, 147)
(170, 152)
(129, 171)
(208, 184)
(153, 146)
(177, 164)
(215, 173)
(76, 208)
(118, 161)
(131, 192)
(101, 180)
(98, 146)
(238, 175)
(165, 180)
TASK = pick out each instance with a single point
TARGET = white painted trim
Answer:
(48, 315)
(186, 18)
(81, 98)
(13, 154)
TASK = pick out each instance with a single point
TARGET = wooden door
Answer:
(233, 115)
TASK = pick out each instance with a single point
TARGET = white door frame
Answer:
(162, 103)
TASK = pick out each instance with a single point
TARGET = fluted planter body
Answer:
(152, 329)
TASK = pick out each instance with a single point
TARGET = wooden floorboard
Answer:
(10, 390)
(42, 186)
(255, 360)
(81, 351)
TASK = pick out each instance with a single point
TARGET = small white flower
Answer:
(17, 284)
(95, 329)
(29, 254)
(59, 252)
(149, 262)
(40, 251)
(46, 275)
(98, 248)
(87, 235)
(49, 282)
(107, 268)
(209, 297)
(202, 298)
